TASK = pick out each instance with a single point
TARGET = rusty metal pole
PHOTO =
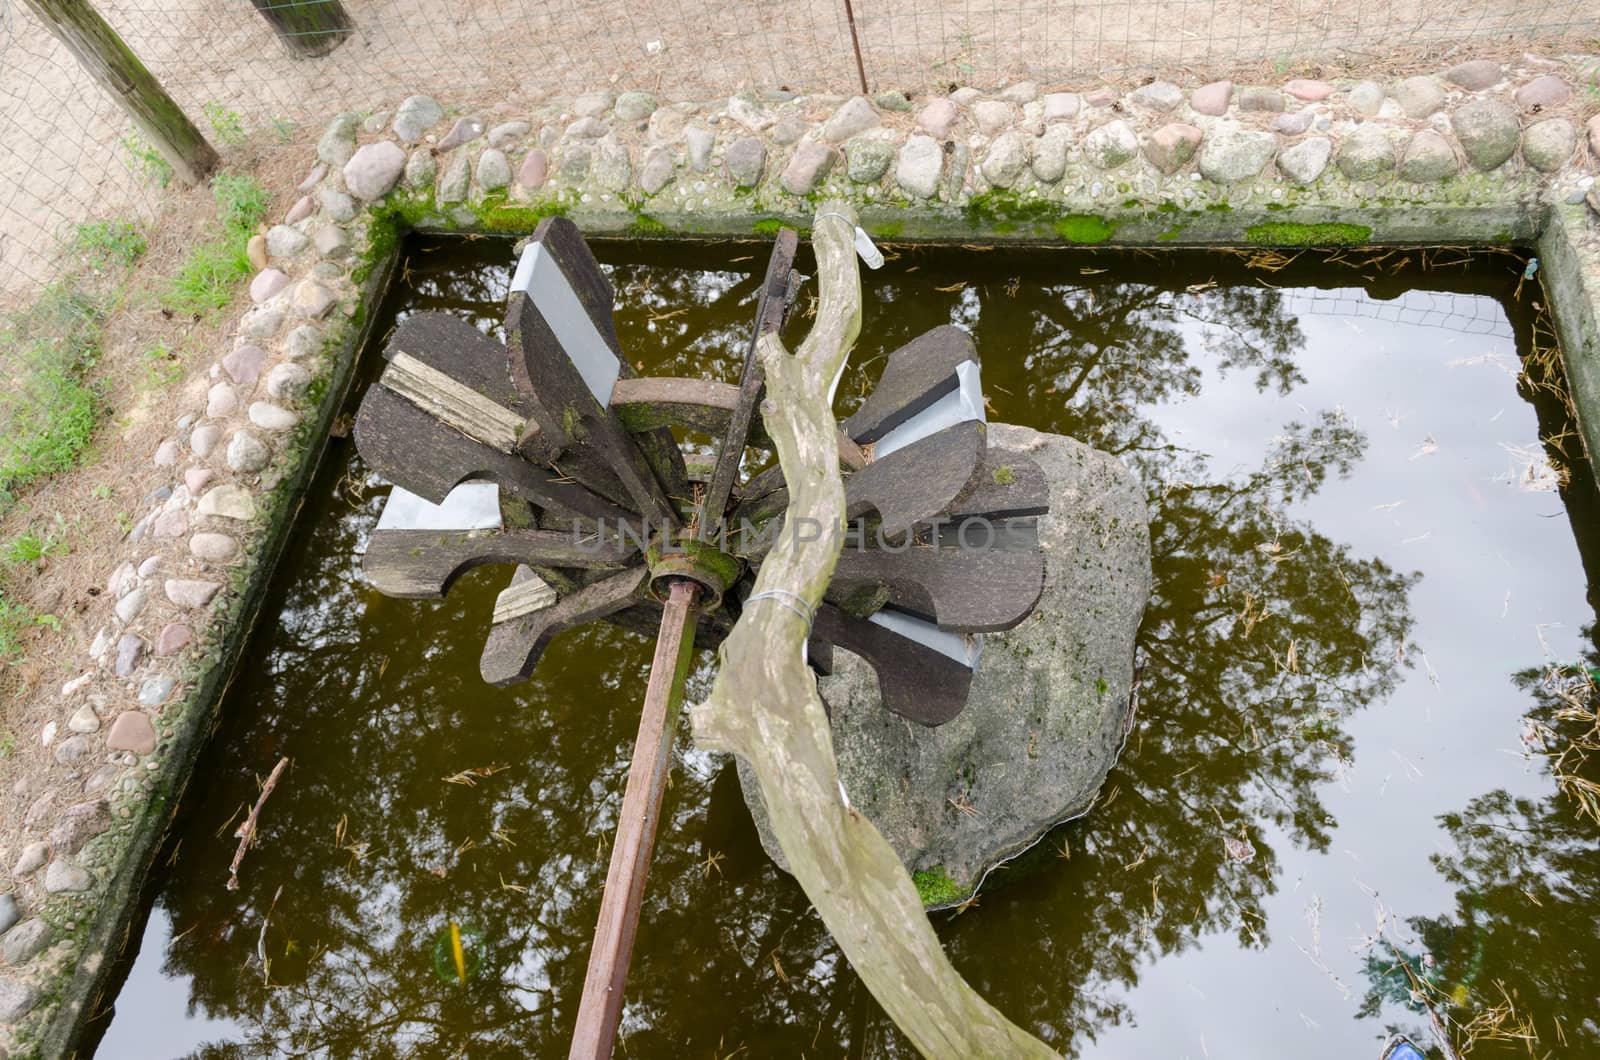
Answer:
(855, 41)
(598, 1012)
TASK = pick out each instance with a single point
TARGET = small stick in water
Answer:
(247, 831)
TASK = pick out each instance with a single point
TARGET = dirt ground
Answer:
(62, 158)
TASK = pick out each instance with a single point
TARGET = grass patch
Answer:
(241, 202)
(47, 409)
(213, 270)
(15, 620)
(31, 548)
(104, 244)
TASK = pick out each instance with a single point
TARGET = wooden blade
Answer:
(918, 482)
(918, 375)
(915, 681)
(770, 310)
(513, 648)
(566, 360)
(411, 448)
(1007, 486)
(603, 986)
(424, 564)
(963, 590)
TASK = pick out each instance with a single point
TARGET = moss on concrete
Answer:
(1291, 234)
(1085, 228)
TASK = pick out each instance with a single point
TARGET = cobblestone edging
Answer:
(1480, 153)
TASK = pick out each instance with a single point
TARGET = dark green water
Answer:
(1352, 660)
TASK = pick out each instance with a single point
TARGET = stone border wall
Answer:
(1479, 154)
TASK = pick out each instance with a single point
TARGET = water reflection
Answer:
(1522, 934)
(1268, 633)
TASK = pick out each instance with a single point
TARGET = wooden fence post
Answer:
(112, 63)
(308, 28)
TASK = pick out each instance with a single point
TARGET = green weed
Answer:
(107, 243)
(48, 412)
(14, 622)
(146, 161)
(30, 547)
(227, 124)
(208, 277)
(241, 202)
(212, 272)
(162, 367)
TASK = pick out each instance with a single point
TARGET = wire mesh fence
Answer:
(66, 153)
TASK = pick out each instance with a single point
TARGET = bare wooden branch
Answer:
(765, 707)
(247, 831)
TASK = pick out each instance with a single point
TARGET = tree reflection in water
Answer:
(1263, 637)
(1520, 942)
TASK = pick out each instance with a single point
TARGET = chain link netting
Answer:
(67, 154)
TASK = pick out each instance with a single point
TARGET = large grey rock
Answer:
(700, 141)
(1006, 160)
(17, 999)
(1231, 154)
(374, 169)
(338, 141)
(613, 166)
(1546, 90)
(9, 913)
(1111, 145)
(867, 160)
(992, 115)
(660, 166)
(457, 179)
(25, 940)
(635, 106)
(1050, 153)
(494, 170)
(1488, 131)
(1211, 99)
(1428, 159)
(1170, 146)
(1049, 704)
(1366, 98)
(1548, 144)
(1367, 153)
(1474, 75)
(1157, 95)
(938, 118)
(856, 116)
(1419, 96)
(920, 166)
(247, 452)
(416, 116)
(746, 158)
(811, 163)
(1305, 161)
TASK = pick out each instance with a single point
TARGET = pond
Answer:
(1373, 626)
